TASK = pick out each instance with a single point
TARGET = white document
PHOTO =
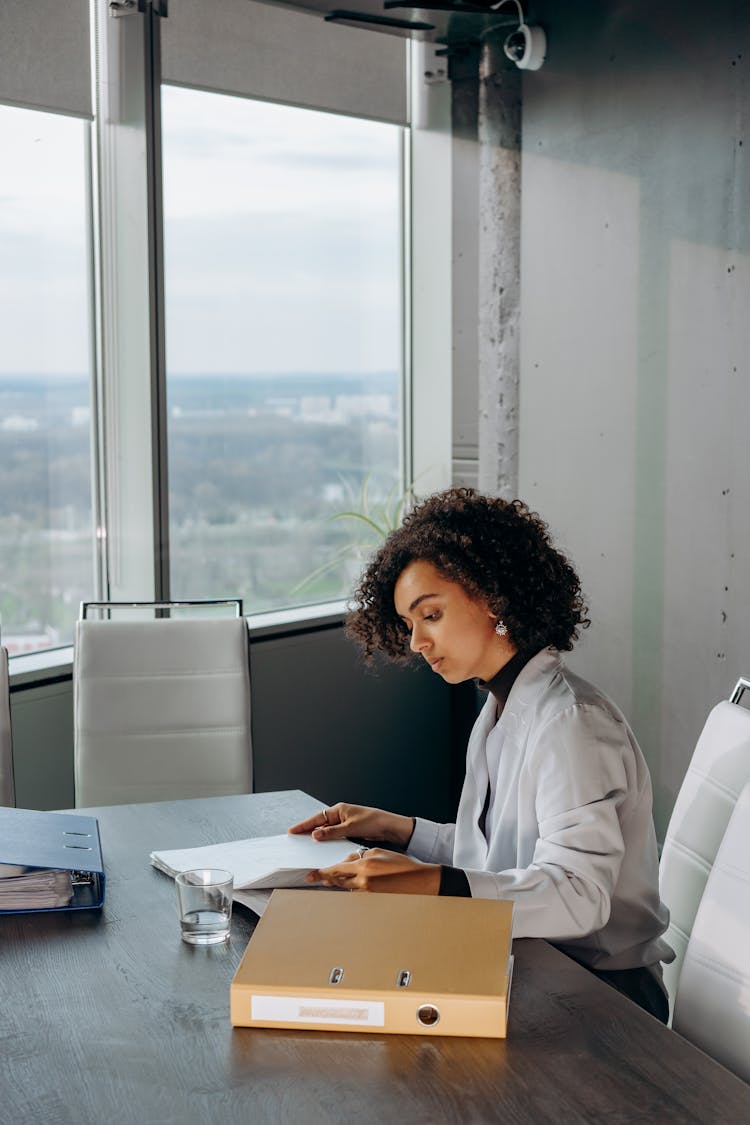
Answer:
(254, 900)
(259, 864)
(259, 900)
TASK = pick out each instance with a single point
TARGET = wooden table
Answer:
(110, 1019)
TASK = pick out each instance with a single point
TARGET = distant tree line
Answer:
(218, 468)
(251, 495)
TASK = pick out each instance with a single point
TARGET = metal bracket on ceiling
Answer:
(120, 8)
(455, 7)
(358, 19)
(434, 63)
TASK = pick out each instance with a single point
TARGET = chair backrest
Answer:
(162, 710)
(712, 1007)
(7, 785)
(717, 773)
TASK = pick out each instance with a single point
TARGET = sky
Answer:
(282, 239)
(43, 289)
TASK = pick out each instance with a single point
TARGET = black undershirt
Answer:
(453, 880)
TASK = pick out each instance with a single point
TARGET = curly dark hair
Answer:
(496, 549)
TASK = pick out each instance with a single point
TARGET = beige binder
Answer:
(377, 963)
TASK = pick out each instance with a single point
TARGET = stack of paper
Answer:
(28, 888)
(258, 865)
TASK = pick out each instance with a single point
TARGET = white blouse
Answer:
(569, 833)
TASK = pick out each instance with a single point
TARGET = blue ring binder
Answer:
(59, 842)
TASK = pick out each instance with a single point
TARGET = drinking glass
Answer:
(204, 899)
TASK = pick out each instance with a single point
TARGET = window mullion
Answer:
(156, 298)
(129, 398)
(431, 238)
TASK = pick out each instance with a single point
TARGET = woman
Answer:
(556, 810)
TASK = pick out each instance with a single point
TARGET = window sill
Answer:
(36, 668)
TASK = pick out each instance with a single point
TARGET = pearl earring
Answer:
(501, 628)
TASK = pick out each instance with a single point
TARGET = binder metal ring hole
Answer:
(428, 1015)
(403, 978)
(337, 975)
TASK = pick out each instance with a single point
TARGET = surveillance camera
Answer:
(526, 47)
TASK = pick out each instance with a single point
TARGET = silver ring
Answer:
(325, 815)
(361, 849)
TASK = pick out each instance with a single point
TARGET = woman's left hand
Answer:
(375, 869)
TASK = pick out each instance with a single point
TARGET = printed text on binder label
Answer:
(317, 1009)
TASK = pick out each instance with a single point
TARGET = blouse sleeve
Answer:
(431, 842)
(579, 767)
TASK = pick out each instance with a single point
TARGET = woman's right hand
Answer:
(340, 821)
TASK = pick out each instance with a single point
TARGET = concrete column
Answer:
(464, 75)
(498, 313)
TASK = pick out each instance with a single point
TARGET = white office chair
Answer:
(162, 707)
(718, 771)
(712, 1007)
(7, 785)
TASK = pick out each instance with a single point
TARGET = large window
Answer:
(283, 283)
(46, 540)
(263, 370)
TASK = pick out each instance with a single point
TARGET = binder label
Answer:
(318, 1009)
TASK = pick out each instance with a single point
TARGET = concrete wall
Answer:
(325, 724)
(635, 347)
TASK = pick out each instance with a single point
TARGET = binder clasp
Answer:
(403, 979)
(337, 975)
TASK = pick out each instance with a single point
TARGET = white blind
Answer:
(45, 55)
(280, 55)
